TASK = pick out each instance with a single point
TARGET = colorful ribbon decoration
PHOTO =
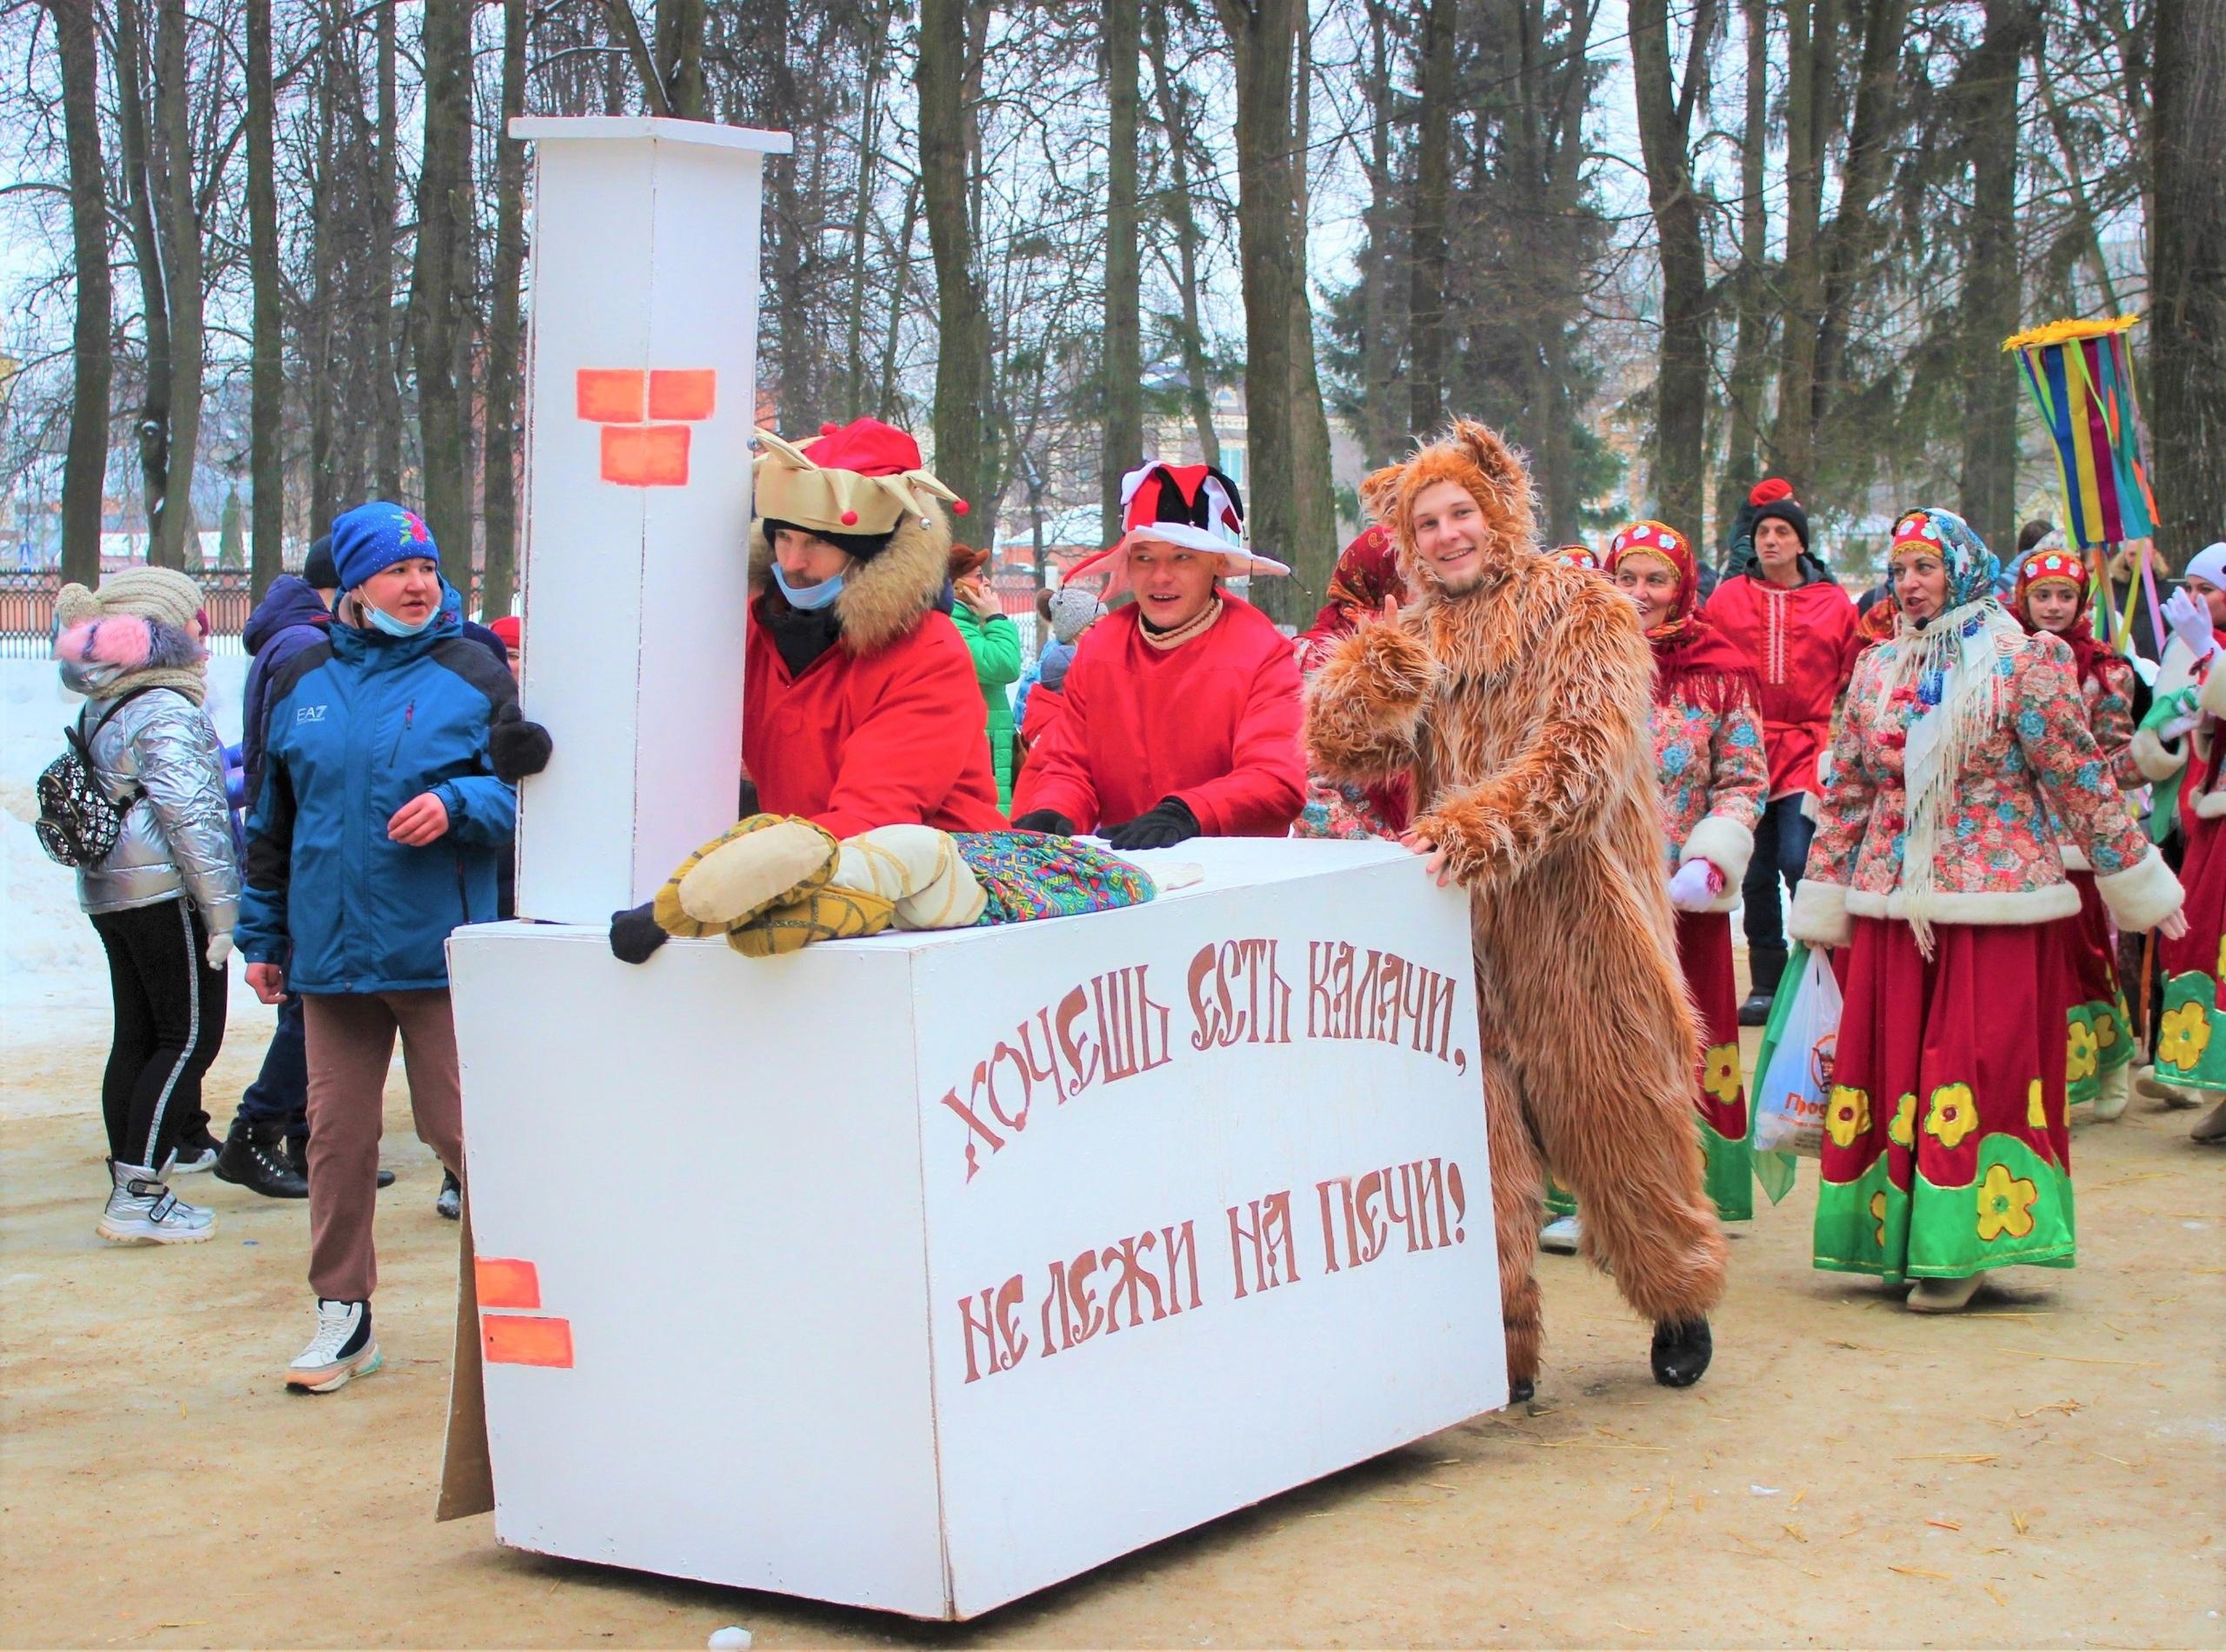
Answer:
(2080, 376)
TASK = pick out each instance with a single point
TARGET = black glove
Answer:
(1169, 824)
(519, 747)
(1045, 820)
(635, 934)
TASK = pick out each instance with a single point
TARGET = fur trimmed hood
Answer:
(1474, 457)
(883, 598)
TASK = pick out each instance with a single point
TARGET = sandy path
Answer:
(2051, 1471)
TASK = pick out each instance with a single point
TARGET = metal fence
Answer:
(27, 599)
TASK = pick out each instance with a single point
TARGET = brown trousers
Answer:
(350, 1047)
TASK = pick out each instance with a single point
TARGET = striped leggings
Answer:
(170, 1023)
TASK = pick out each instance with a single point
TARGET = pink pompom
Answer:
(828, 427)
(119, 639)
(850, 518)
(960, 506)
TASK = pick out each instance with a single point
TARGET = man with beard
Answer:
(1514, 691)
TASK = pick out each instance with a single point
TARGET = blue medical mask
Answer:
(393, 627)
(808, 598)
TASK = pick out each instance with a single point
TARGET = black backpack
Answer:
(78, 822)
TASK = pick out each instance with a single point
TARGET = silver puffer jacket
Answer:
(179, 835)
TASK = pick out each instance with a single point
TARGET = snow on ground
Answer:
(53, 977)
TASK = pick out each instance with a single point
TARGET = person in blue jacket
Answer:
(385, 801)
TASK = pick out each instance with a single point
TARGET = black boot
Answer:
(1765, 965)
(1682, 1352)
(297, 1155)
(1522, 1391)
(254, 1157)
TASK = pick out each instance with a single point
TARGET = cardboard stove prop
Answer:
(968, 1258)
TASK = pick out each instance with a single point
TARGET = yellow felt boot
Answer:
(754, 866)
(828, 914)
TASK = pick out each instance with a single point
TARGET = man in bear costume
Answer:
(1514, 690)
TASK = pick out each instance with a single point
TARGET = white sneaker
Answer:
(1560, 1236)
(2115, 1091)
(341, 1350)
(141, 1211)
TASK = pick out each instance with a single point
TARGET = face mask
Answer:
(385, 621)
(808, 598)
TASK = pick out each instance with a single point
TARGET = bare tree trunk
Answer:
(84, 466)
(1121, 442)
(1990, 304)
(2188, 275)
(440, 283)
(1854, 238)
(1743, 441)
(965, 455)
(1174, 123)
(1810, 32)
(1314, 548)
(136, 155)
(886, 390)
(1379, 363)
(680, 56)
(1426, 344)
(2081, 204)
(499, 499)
(267, 366)
(321, 391)
(386, 346)
(1682, 382)
(854, 361)
(180, 222)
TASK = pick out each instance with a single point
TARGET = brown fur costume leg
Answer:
(1518, 1200)
(1603, 1041)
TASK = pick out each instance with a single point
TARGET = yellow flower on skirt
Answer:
(2036, 1110)
(2005, 1204)
(2106, 1030)
(2219, 974)
(2183, 1035)
(1952, 1116)
(1902, 1128)
(2080, 1061)
(1848, 1114)
(1720, 1073)
(1878, 1212)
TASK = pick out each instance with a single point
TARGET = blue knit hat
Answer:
(375, 536)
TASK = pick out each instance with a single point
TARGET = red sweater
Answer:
(892, 738)
(1214, 722)
(1803, 644)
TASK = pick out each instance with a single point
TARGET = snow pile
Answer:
(53, 976)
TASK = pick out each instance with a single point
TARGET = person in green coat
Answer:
(994, 641)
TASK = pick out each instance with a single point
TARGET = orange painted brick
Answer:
(515, 1339)
(610, 394)
(645, 456)
(504, 1281)
(682, 393)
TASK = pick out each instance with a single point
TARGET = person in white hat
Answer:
(1182, 707)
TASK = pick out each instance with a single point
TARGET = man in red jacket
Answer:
(1182, 707)
(859, 707)
(1791, 618)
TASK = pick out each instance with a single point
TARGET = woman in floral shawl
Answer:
(1365, 579)
(1963, 753)
(2054, 589)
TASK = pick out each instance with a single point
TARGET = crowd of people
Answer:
(1944, 786)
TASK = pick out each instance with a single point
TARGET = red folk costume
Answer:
(1709, 763)
(1962, 754)
(879, 721)
(1803, 641)
(1367, 573)
(2099, 1060)
(1209, 721)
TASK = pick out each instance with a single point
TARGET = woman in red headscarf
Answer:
(1365, 578)
(1708, 759)
(2054, 587)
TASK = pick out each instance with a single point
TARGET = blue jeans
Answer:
(1781, 850)
(280, 1094)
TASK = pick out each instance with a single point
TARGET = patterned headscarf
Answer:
(2040, 566)
(1367, 572)
(1577, 557)
(1950, 669)
(1693, 660)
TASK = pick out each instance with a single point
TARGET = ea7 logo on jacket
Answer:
(308, 714)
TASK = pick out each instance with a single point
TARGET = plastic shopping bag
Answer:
(1793, 1075)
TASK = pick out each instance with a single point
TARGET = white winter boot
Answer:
(141, 1211)
(2116, 1090)
(1561, 1235)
